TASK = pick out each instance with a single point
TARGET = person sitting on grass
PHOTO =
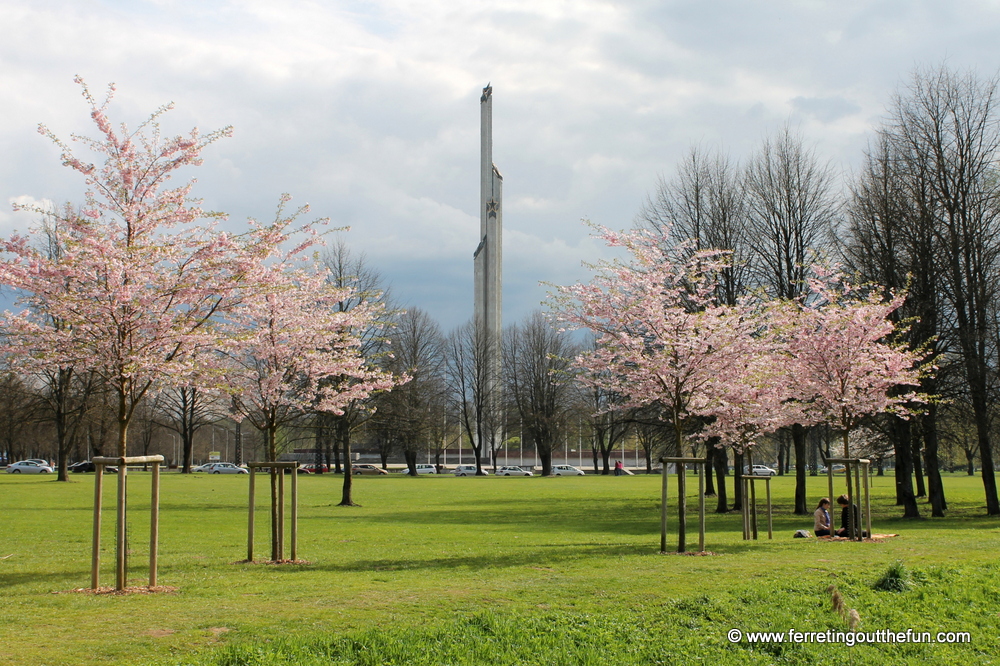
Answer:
(821, 519)
(847, 505)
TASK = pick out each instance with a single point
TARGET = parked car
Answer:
(316, 469)
(365, 470)
(421, 469)
(28, 467)
(201, 468)
(513, 470)
(567, 470)
(89, 466)
(468, 470)
(760, 470)
(223, 468)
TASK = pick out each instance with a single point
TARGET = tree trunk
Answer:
(710, 453)
(272, 455)
(343, 435)
(900, 429)
(545, 456)
(737, 484)
(918, 470)
(721, 467)
(986, 458)
(801, 499)
(934, 484)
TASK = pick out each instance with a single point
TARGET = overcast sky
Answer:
(369, 111)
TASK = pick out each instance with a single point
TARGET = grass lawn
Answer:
(473, 570)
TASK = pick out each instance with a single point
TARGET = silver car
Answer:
(513, 470)
(468, 470)
(28, 467)
(567, 470)
(224, 468)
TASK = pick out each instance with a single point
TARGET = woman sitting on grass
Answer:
(822, 518)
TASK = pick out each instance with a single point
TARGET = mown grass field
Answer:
(479, 570)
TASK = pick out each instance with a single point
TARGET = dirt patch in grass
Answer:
(273, 562)
(160, 633)
(135, 589)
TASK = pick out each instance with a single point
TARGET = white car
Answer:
(567, 470)
(468, 470)
(761, 470)
(421, 469)
(513, 470)
(28, 467)
(223, 468)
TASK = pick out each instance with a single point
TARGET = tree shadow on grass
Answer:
(62, 580)
(576, 514)
(536, 556)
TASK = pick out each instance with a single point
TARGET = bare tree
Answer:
(889, 240)
(706, 204)
(18, 409)
(473, 388)
(946, 129)
(186, 410)
(538, 375)
(406, 415)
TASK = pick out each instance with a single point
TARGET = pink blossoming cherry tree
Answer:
(289, 350)
(662, 336)
(844, 364)
(140, 273)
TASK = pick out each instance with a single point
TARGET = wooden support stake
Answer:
(681, 508)
(121, 571)
(868, 498)
(95, 557)
(745, 507)
(833, 498)
(859, 528)
(701, 508)
(253, 473)
(154, 525)
(281, 515)
(770, 530)
(850, 502)
(663, 511)
(295, 512)
(753, 509)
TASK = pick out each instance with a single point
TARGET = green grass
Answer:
(466, 571)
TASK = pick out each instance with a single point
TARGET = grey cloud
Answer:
(825, 109)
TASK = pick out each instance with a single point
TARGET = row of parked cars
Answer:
(38, 466)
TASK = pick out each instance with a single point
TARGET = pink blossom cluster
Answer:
(735, 371)
(140, 287)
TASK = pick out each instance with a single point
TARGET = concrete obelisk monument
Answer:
(488, 258)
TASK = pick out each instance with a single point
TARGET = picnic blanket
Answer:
(873, 537)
